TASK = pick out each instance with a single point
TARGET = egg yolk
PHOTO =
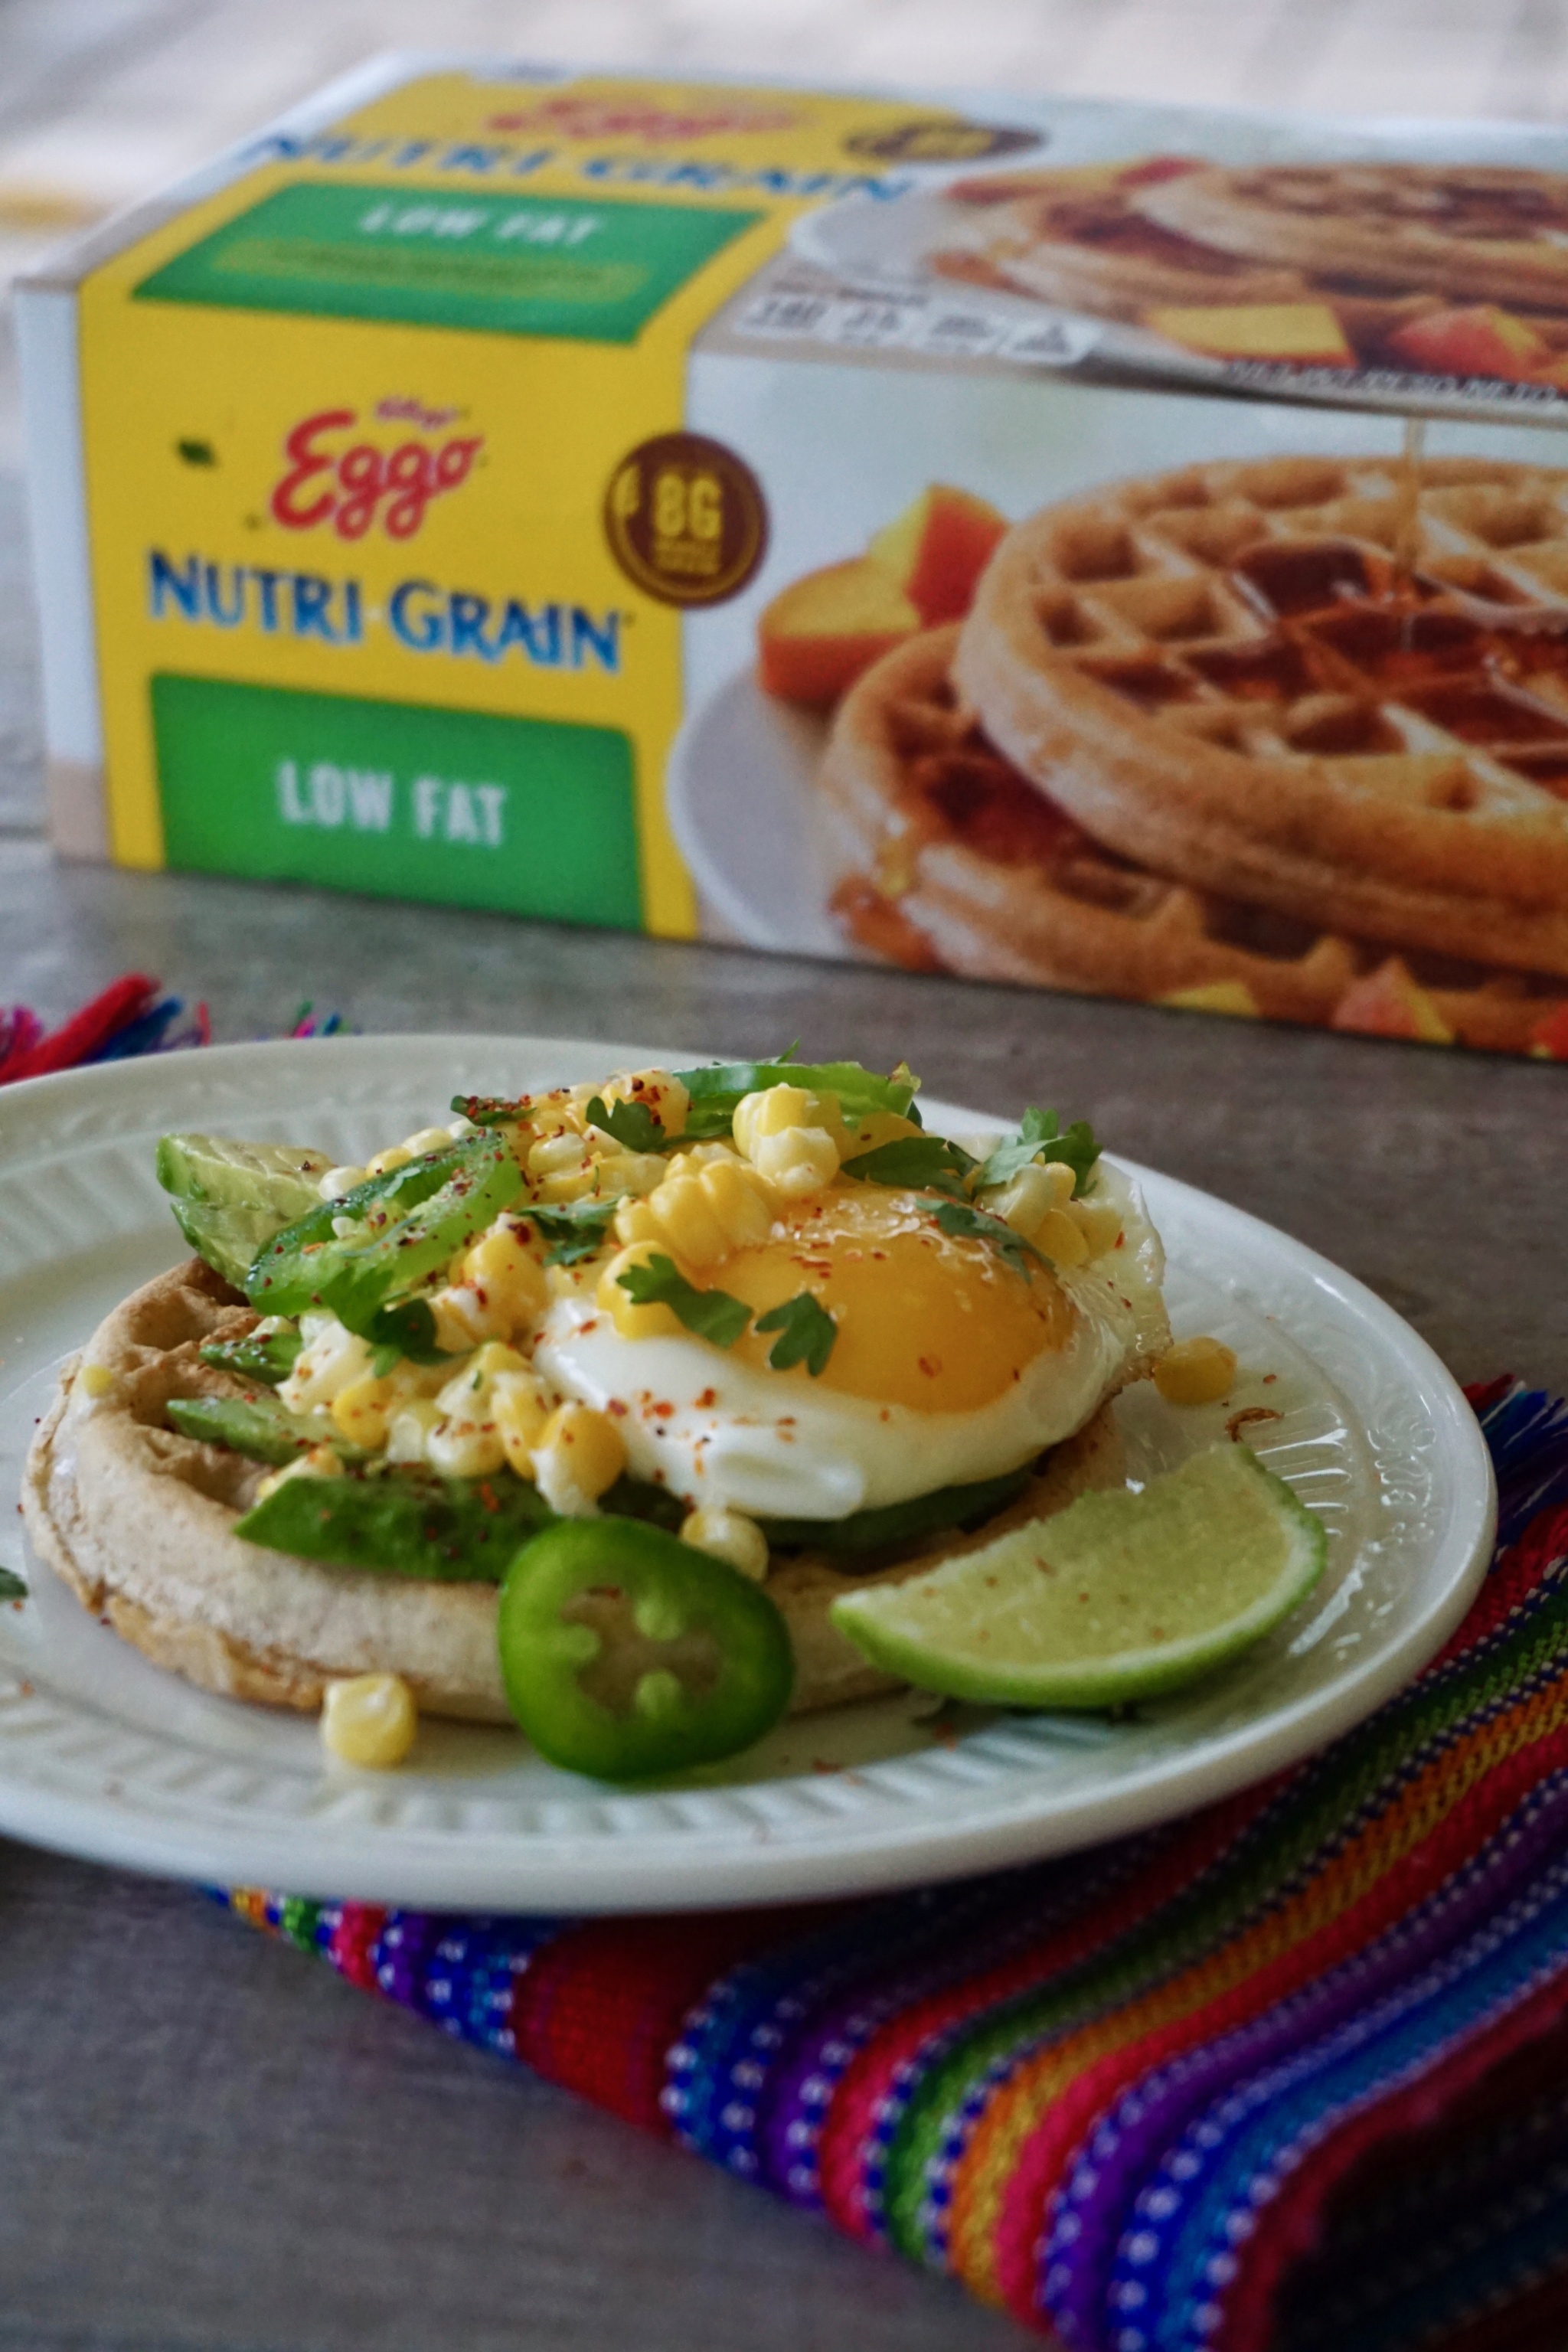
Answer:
(924, 1319)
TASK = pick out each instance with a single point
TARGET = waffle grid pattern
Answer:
(1259, 620)
(1107, 922)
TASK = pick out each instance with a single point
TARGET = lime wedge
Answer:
(1119, 1596)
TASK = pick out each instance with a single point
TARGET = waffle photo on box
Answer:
(1112, 548)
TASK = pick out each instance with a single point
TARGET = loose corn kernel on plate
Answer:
(104, 1755)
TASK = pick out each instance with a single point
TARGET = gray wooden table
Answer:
(207, 2141)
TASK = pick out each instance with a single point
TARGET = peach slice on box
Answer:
(1478, 340)
(1549, 1041)
(821, 632)
(1391, 1003)
(1305, 333)
(938, 548)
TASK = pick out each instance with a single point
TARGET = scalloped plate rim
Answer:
(742, 1857)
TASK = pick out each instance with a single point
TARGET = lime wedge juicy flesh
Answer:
(1118, 1597)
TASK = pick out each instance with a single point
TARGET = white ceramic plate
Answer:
(103, 1755)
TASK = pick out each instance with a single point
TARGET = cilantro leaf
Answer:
(979, 1225)
(405, 1328)
(927, 1163)
(577, 1228)
(1039, 1136)
(632, 1124)
(11, 1587)
(712, 1314)
(806, 1333)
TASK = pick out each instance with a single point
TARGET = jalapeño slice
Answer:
(397, 1235)
(625, 1652)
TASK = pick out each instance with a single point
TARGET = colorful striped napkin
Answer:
(1289, 2076)
(129, 1017)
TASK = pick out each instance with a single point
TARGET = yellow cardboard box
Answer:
(578, 496)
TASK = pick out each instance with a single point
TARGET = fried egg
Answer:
(950, 1364)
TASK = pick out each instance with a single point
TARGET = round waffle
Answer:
(139, 1521)
(949, 860)
(1337, 689)
(1469, 229)
(1088, 248)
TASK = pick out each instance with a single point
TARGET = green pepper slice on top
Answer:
(625, 1652)
(402, 1228)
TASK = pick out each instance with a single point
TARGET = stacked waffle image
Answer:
(1456, 270)
(1286, 738)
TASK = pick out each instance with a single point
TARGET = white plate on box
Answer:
(754, 855)
(102, 1754)
(879, 248)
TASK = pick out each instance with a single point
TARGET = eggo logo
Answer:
(354, 486)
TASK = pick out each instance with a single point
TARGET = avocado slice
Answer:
(230, 1197)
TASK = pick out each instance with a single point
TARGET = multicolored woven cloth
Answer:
(130, 1017)
(1288, 2076)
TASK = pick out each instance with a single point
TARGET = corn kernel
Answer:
(632, 1172)
(330, 1360)
(518, 1409)
(463, 1319)
(1024, 1199)
(634, 1220)
(1195, 1371)
(321, 1462)
(580, 1453)
(464, 1395)
(877, 1128)
(686, 1218)
(1059, 1239)
(410, 1427)
(555, 1155)
(634, 1322)
(659, 1091)
(1098, 1221)
(428, 1139)
(338, 1181)
(369, 1720)
(465, 1449)
(729, 1536)
(362, 1410)
(571, 1184)
(96, 1380)
(737, 1200)
(796, 1162)
(382, 1163)
(508, 1279)
(769, 1112)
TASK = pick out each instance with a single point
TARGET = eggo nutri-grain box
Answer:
(1105, 548)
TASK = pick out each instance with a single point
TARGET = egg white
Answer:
(727, 1435)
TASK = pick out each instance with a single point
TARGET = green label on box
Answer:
(531, 816)
(595, 272)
